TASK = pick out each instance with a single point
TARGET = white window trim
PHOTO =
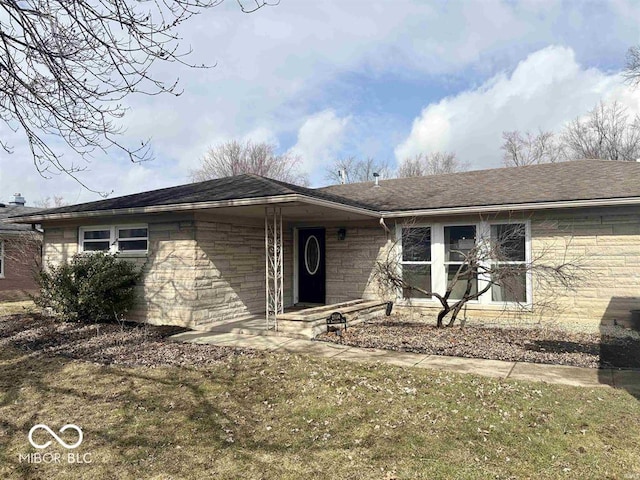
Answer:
(2, 261)
(402, 262)
(113, 239)
(438, 264)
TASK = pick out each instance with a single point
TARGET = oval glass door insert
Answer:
(312, 255)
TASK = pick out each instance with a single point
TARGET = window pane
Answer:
(96, 246)
(129, 245)
(132, 233)
(511, 287)
(508, 242)
(458, 241)
(460, 286)
(416, 276)
(97, 234)
(416, 244)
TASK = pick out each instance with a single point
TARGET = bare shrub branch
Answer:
(496, 263)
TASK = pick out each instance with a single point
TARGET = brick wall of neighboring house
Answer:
(21, 260)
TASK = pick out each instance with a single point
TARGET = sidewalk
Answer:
(537, 372)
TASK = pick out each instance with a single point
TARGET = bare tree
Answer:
(632, 68)
(234, 158)
(530, 149)
(474, 267)
(606, 133)
(434, 163)
(357, 170)
(49, 202)
(66, 67)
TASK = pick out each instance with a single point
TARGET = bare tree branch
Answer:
(434, 163)
(497, 264)
(235, 158)
(65, 68)
(530, 149)
(357, 170)
(632, 68)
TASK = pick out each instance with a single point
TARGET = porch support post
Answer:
(274, 283)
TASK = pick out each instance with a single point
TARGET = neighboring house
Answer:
(225, 249)
(20, 252)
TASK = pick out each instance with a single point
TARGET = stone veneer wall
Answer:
(605, 242)
(230, 271)
(198, 272)
(351, 262)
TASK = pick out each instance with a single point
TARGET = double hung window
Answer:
(509, 266)
(416, 261)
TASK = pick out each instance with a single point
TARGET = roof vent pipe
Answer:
(342, 174)
(18, 199)
(376, 176)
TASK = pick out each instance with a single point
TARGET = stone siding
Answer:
(351, 262)
(605, 243)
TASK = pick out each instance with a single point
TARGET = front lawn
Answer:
(264, 415)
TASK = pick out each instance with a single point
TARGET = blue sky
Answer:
(387, 79)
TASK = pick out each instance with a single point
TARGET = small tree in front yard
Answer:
(474, 265)
(93, 287)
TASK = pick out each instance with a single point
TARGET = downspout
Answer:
(384, 225)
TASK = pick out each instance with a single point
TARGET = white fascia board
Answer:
(183, 207)
(605, 202)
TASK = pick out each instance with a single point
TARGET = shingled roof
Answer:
(538, 185)
(546, 183)
(7, 211)
(246, 186)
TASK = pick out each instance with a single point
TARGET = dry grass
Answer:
(290, 417)
(13, 308)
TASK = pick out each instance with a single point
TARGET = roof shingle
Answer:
(567, 181)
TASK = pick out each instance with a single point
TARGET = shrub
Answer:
(90, 288)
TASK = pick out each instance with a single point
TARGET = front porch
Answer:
(304, 322)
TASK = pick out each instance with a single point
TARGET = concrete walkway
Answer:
(628, 380)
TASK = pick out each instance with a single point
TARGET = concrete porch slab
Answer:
(576, 376)
(479, 366)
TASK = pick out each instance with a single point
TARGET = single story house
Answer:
(20, 252)
(237, 247)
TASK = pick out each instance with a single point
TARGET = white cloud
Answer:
(545, 90)
(319, 139)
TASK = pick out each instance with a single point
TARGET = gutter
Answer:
(605, 202)
(296, 197)
(182, 207)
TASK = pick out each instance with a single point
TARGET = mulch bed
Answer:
(538, 345)
(130, 344)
